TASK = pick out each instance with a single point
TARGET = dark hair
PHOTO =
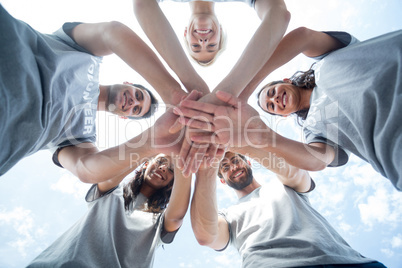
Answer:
(304, 80)
(239, 155)
(156, 203)
(152, 108)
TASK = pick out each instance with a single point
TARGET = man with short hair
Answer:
(270, 227)
(50, 89)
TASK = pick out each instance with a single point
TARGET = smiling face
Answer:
(127, 100)
(203, 36)
(235, 171)
(159, 172)
(281, 99)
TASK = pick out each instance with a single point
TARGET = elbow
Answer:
(287, 15)
(316, 166)
(204, 240)
(84, 174)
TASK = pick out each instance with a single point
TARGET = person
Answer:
(270, 226)
(274, 21)
(50, 84)
(334, 102)
(331, 102)
(125, 223)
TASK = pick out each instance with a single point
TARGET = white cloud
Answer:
(389, 253)
(70, 184)
(22, 222)
(396, 241)
(383, 206)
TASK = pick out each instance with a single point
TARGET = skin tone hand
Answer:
(250, 132)
(236, 125)
(93, 166)
(191, 152)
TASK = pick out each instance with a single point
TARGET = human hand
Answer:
(162, 140)
(194, 153)
(236, 125)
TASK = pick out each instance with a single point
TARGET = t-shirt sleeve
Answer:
(165, 236)
(94, 194)
(341, 155)
(223, 214)
(345, 38)
(64, 34)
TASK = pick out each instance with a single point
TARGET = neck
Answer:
(305, 99)
(248, 189)
(201, 7)
(147, 190)
(103, 97)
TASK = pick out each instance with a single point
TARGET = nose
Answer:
(162, 168)
(233, 167)
(203, 40)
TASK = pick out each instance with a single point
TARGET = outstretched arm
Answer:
(179, 200)
(301, 40)
(93, 166)
(239, 125)
(274, 21)
(209, 229)
(164, 39)
(114, 37)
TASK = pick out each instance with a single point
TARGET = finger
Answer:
(190, 113)
(211, 152)
(185, 149)
(196, 124)
(193, 96)
(199, 106)
(198, 157)
(228, 98)
(210, 138)
(177, 126)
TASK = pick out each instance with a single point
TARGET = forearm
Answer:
(304, 156)
(179, 200)
(258, 51)
(204, 211)
(103, 165)
(131, 49)
(164, 39)
(294, 177)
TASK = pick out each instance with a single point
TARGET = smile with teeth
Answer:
(238, 174)
(203, 31)
(159, 176)
(124, 101)
(284, 99)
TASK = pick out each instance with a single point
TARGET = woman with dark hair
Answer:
(125, 223)
(348, 102)
(351, 102)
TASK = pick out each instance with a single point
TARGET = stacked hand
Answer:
(224, 122)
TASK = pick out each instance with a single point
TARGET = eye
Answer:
(273, 92)
(171, 170)
(137, 95)
(135, 110)
(272, 106)
(195, 46)
(235, 161)
(212, 45)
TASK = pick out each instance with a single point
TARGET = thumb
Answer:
(228, 98)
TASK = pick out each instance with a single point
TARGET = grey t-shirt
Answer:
(277, 227)
(48, 91)
(248, 2)
(357, 104)
(108, 235)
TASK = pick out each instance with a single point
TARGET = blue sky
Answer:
(39, 201)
